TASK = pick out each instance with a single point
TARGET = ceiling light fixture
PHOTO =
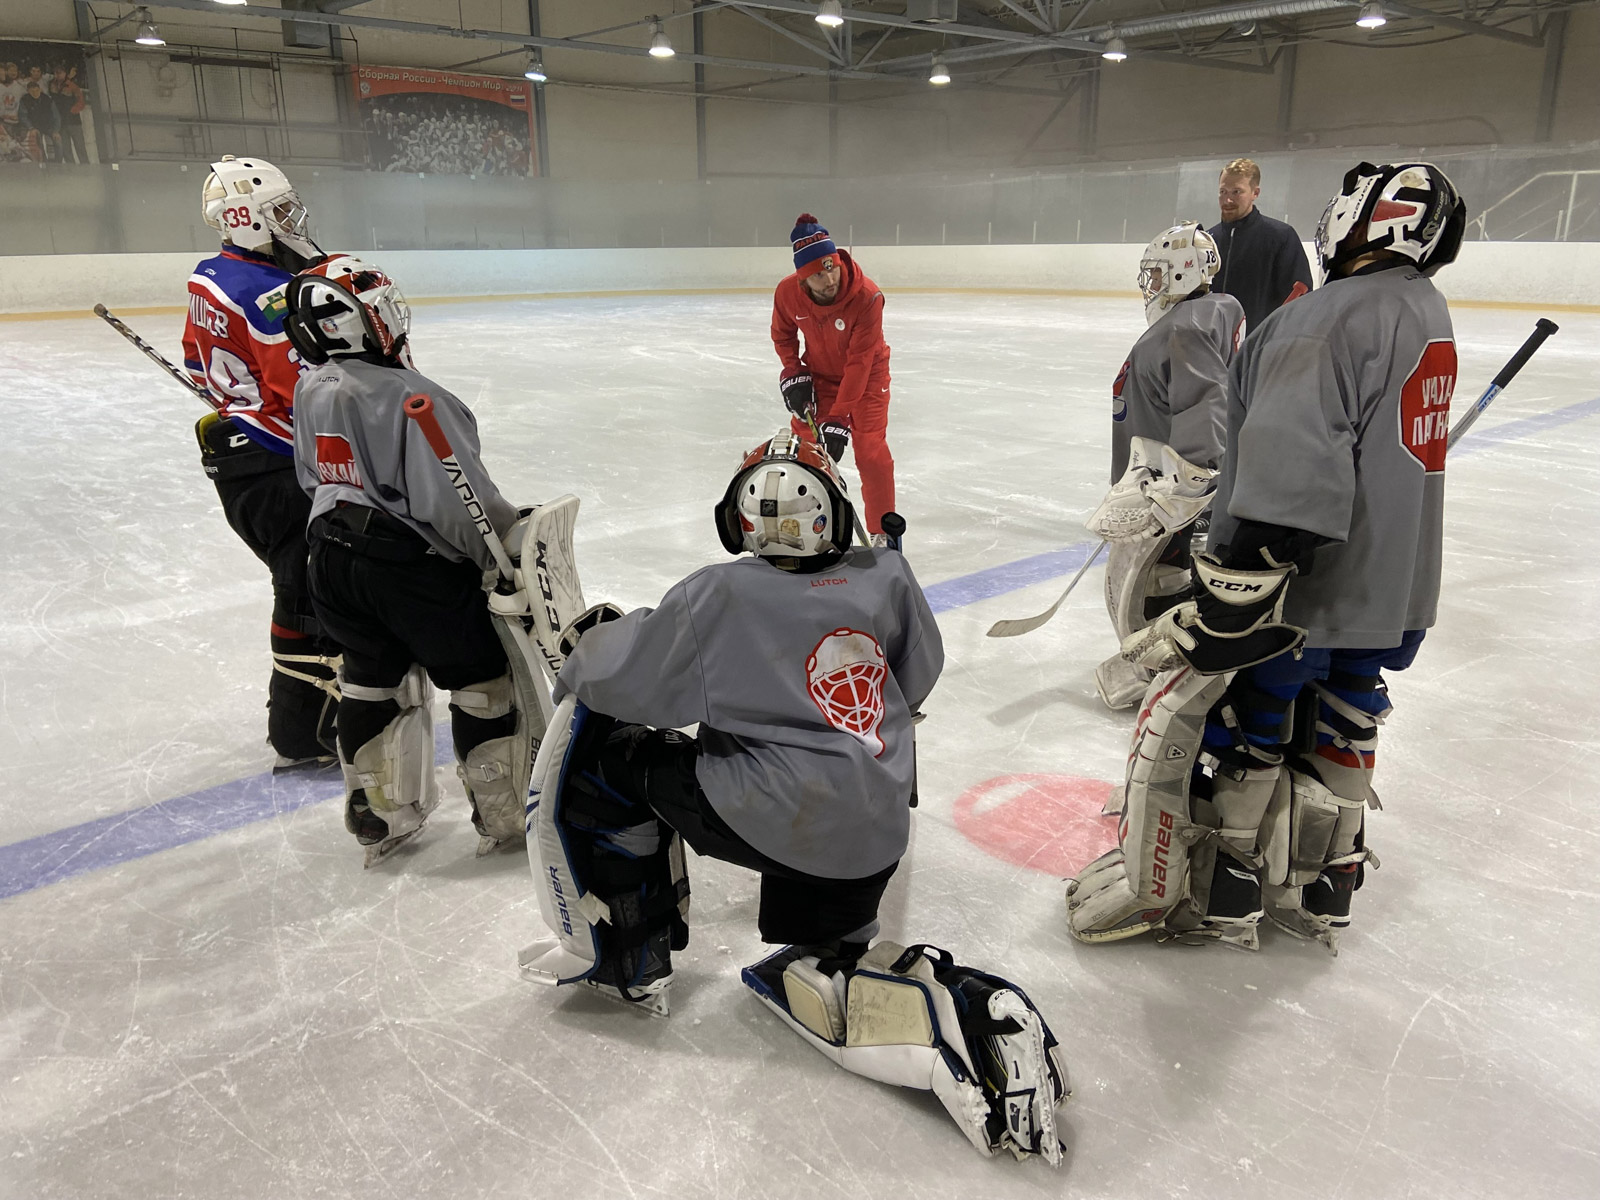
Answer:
(1372, 16)
(940, 75)
(830, 13)
(535, 69)
(660, 43)
(148, 34)
(1116, 50)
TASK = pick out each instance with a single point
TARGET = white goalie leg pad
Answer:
(395, 769)
(1134, 574)
(495, 773)
(570, 914)
(547, 572)
(1314, 847)
(903, 1018)
(1130, 890)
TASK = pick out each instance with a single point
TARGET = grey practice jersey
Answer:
(1173, 387)
(803, 687)
(1338, 417)
(354, 443)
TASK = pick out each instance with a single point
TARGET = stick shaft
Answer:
(1029, 624)
(420, 409)
(154, 355)
(1541, 331)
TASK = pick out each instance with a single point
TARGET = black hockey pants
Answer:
(389, 600)
(265, 505)
(656, 767)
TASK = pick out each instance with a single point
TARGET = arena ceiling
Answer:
(993, 45)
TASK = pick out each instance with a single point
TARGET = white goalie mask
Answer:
(1178, 263)
(252, 204)
(786, 501)
(345, 307)
(1411, 209)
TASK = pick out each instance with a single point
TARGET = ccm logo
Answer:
(1158, 872)
(1227, 585)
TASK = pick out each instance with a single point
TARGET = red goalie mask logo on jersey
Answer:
(1425, 405)
(336, 462)
(844, 675)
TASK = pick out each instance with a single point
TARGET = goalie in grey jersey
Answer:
(1251, 768)
(1167, 406)
(397, 566)
(803, 664)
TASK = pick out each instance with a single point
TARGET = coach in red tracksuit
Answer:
(838, 385)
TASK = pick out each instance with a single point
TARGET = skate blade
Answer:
(314, 763)
(652, 998)
(1328, 937)
(379, 851)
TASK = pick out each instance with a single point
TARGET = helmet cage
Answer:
(761, 513)
(253, 206)
(1410, 209)
(360, 312)
(1178, 263)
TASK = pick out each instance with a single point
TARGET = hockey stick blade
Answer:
(154, 355)
(1028, 624)
(1542, 330)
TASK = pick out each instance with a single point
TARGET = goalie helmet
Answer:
(345, 307)
(1410, 209)
(1176, 265)
(786, 501)
(252, 204)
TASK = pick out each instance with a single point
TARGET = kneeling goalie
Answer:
(802, 665)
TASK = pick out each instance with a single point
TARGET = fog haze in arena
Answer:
(203, 993)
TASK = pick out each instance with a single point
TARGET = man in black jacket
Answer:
(1263, 263)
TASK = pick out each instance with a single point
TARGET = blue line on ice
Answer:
(52, 857)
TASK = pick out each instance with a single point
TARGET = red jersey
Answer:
(844, 346)
(234, 344)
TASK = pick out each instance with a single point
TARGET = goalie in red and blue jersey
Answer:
(234, 346)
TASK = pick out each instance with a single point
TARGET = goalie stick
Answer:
(816, 436)
(1029, 624)
(154, 355)
(420, 409)
(1541, 331)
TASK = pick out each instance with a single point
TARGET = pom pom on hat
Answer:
(811, 243)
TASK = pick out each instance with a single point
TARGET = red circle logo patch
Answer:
(1049, 823)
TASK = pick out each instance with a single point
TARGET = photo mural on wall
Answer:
(43, 103)
(444, 123)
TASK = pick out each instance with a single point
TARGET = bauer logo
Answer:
(1425, 405)
(336, 462)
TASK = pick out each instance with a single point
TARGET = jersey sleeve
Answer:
(1294, 460)
(1291, 272)
(644, 668)
(1197, 395)
(434, 500)
(866, 340)
(920, 659)
(785, 337)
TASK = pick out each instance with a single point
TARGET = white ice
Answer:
(252, 1015)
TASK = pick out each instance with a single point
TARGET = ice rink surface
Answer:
(202, 994)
